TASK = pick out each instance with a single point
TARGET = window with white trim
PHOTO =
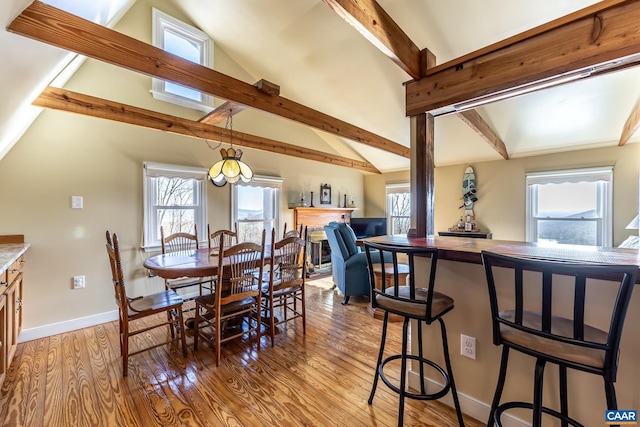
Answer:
(185, 41)
(175, 197)
(570, 206)
(256, 207)
(398, 208)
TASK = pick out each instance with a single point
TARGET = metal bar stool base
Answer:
(411, 395)
(525, 405)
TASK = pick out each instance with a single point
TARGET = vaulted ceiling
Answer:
(321, 62)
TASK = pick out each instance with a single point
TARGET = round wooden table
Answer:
(403, 272)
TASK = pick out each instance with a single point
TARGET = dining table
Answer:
(197, 263)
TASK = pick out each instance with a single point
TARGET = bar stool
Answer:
(527, 323)
(409, 302)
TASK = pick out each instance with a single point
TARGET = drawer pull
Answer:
(3, 283)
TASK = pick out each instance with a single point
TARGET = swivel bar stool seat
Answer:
(528, 320)
(409, 302)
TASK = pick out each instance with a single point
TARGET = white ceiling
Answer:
(323, 63)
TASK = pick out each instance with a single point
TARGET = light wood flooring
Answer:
(321, 379)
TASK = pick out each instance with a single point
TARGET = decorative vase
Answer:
(345, 201)
(311, 205)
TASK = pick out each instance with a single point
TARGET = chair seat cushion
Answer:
(157, 301)
(440, 303)
(559, 326)
(209, 301)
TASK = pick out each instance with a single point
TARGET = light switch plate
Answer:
(76, 202)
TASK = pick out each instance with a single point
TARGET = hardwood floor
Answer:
(321, 379)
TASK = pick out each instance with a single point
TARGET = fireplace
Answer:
(318, 251)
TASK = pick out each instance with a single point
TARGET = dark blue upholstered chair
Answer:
(348, 262)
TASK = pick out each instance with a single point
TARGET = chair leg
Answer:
(537, 393)
(610, 391)
(564, 405)
(447, 360)
(345, 301)
(304, 312)
(183, 339)
(272, 321)
(125, 348)
(380, 353)
(421, 356)
(196, 328)
(499, 386)
(218, 336)
(403, 371)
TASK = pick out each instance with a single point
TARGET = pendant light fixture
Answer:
(230, 168)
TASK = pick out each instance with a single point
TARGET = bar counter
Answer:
(468, 250)
(461, 276)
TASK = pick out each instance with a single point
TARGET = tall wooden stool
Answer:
(409, 302)
(527, 324)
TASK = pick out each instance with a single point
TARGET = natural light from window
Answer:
(570, 207)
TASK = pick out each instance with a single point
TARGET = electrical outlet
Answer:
(78, 282)
(468, 346)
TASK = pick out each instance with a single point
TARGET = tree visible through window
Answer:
(175, 198)
(398, 208)
(257, 208)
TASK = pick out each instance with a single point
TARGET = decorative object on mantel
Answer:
(302, 202)
(311, 205)
(325, 194)
(344, 205)
(230, 168)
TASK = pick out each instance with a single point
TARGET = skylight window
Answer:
(187, 42)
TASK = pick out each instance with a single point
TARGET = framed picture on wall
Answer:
(325, 194)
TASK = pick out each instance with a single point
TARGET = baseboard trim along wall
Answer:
(67, 326)
(470, 406)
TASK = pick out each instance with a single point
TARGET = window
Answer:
(570, 206)
(398, 208)
(256, 207)
(189, 43)
(175, 197)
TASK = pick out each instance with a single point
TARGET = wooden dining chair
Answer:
(132, 309)
(291, 233)
(183, 243)
(237, 295)
(230, 237)
(286, 285)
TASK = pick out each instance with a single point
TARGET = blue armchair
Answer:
(348, 262)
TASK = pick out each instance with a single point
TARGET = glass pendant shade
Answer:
(230, 168)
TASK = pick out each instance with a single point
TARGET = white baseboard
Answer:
(469, 405)
(67, 326)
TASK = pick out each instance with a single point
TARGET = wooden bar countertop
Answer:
(468, 250)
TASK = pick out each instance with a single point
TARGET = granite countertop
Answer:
(10, 252)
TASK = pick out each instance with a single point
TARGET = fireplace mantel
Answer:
(316, 218)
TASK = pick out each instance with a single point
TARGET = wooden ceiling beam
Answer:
(477, 123)
(375, 24)
(53, 26)
(631, 125)
(65, 100)
(222, 112)
(582, 42)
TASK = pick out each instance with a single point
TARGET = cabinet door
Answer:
(3, 337)
(11, 337)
